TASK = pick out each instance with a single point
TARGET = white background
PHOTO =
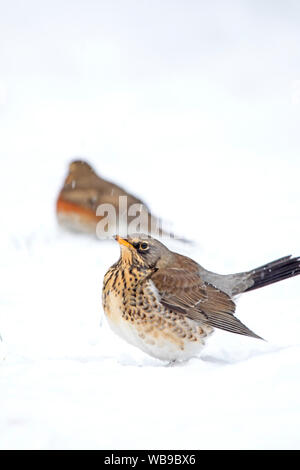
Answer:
(195, 107)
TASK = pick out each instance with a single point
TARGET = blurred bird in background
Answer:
(84, 191)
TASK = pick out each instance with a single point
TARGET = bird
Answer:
(168, 305)
(84, 192)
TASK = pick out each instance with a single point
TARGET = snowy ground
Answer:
(195, 108)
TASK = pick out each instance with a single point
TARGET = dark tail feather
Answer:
(276, 271)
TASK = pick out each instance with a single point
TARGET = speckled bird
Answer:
(167, 305)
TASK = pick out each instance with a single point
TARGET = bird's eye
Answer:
(144, 246)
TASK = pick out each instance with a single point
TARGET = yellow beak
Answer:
(123, 242)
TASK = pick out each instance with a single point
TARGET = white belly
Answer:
(158, 344)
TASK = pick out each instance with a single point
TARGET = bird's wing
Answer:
(185, 292)
(83, 197)
(111, 192)
(92, 197)
(80, 187)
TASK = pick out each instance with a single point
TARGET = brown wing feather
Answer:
(185, 292)
(93, 188)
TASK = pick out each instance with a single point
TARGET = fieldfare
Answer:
(167, 304)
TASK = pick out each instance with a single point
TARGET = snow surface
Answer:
(195, 107)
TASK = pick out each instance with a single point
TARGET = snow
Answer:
(195, 108)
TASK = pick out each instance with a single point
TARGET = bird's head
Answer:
(144, 251)
(80, 167)
(78, 170)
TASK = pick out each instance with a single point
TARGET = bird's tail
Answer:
(275, 271)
